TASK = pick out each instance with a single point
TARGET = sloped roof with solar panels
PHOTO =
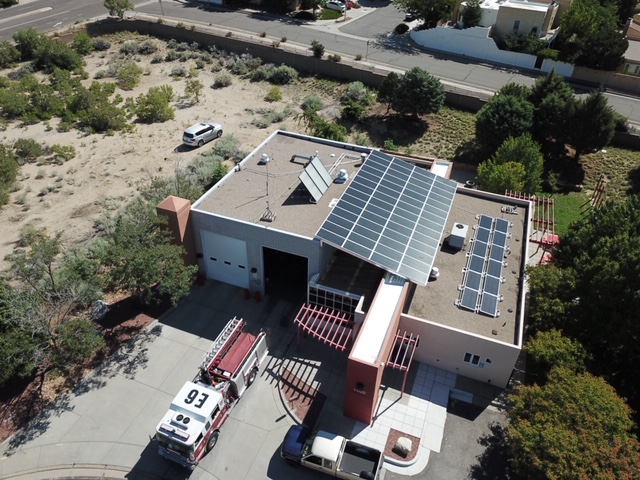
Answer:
(393, 215)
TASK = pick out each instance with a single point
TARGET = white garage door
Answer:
(226, 259)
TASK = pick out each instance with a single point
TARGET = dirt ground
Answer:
(106, 170)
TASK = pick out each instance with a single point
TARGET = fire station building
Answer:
(392, 261)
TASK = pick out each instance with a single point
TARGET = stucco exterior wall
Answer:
(529, 19)
(477, 43)
(445, 347)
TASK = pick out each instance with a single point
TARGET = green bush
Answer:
(28, 42)
(390, 145)
(130, 47)
(312, 103)
(27, 149)
(8, 172)
(9, 55)
(7, 3)
(260, 74)
(83, 43)
(222, 81)
(353, 111)
(53, 53)
(358, 93)
(283, 75)
(335, 58)
(178, 72)
(128, 76)
(401, 28)
(317, 48)
(228, 148)
(171, 56)
(274, 94)
(63, 153)
(154, 106)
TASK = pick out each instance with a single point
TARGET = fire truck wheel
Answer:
(252, 377)
(213, 439)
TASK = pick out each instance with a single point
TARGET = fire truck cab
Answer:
(190, 429)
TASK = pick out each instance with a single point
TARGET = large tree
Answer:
(499, 177)
(526, 151)
(592, 291)
(503, 117)
(471, 14)
(575, 426)
(418, 93)
(139, 256)
(429, 11)
(589, 35)
(593, 124)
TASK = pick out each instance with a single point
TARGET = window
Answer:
(328, 464)
(534, 31)
(471, 359)
(516, 26)
(315, 460)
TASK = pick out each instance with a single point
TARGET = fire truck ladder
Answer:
(222, 343)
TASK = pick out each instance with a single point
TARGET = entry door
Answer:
(226, 259)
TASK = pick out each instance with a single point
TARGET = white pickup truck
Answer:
(331, 454)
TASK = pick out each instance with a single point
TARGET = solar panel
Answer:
(499, 238)
(474, 279)
(469, 299)
(392, 214)
(494, 268)
(497, 252)
(315, 178)
(489, 305)
(502, 225)
(476, 264)
(486, 221)
(482, 234)
(479, 248)
(492, 285)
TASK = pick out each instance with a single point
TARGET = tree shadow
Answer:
(402, 130)
(39, 424)
(494, 461)
(395, 43)
(469, 152)
(634, 181)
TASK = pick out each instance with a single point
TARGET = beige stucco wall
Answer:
(529, 19)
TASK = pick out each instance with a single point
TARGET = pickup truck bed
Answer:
(358, 458)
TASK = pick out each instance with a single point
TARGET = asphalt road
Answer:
(366, 35)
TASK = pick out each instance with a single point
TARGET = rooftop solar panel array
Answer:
(316, 178)
(480, 289)
(393, 215)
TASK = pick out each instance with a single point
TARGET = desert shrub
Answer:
(260, 74)
(274, 94)
(8, 3)
(9, 55)
(193, 89)
(63, 153)
(358, 57)
(27, 149)
(194, 46)
(157, 58)
(237, 66)
(128, 76)
(390, 145)
(147, 47)
(82, 43)
(222, 81)
(312, 103)
(335, 58)
(228, 147)
(263, 34)
(331, 131)
(101, 44)
(8, 173)
(178, 72)
(130, 47)
(154, 106)
(100, 74)
(283, 75)
(317, 48)
(171, 56)
(13, 101)
(358, 93)
(200, 64)
(401, 28)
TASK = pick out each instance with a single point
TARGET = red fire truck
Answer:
(190, 429)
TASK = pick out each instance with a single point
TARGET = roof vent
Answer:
(264, 159)
(342, 177)
(363, 157)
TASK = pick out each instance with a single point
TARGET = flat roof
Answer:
(435, 302)
(247, 190)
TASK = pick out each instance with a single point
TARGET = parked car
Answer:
(335, 5)
(200, 133)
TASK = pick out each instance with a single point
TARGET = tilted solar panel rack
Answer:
(480, 288)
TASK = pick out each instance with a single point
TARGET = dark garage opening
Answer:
(285, 274)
